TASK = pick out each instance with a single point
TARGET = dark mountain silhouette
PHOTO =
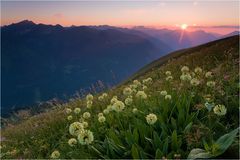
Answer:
(234, 33)
(41, 61)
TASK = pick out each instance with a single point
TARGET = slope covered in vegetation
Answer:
(184, 105)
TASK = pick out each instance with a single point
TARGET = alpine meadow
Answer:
(120, 79)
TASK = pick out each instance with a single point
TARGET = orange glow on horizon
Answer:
(184, 26)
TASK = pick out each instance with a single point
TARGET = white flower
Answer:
(89, 97)
(89, 104)
(147, 81)
(77, 110)
(163, 93)
(55, 154)
(134, 91)
(141, 95)
(220, 110)
(198, 70)
(127, 91)
(168, 97)
(86, 115)
(137, 83)
(193, 74)
(168, 73)
(109, 108)
(209, 75)
(106, 111)
(186, 77)
(68, 110)
(185, 69)
(101, 119)
(118, 106)
(135, 110)
(100, 98)
(100, 114)
(144, 87)
(85, 124)
(133, 86)
(105, 95)
(70, 118)
(169, 78)
(75, 128)
(195, 82)
(151, 118)
(211, 83)
(128, 101)
(72, 142)
(85, 137)
(114, 99)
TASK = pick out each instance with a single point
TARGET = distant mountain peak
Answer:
(25, 22)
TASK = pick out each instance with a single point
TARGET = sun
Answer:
(184, 26)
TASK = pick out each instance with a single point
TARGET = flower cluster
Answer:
(163, 93)
(103, 96)
(118, 106)
(127, 91)
(86, 115)
(151, 118)
(211, 84)
(141, 95)
(101, 118)
(68, 110)
(220, 110)
(209, 75)
(195, 82)
(85, 137)
(72, 142)
(77, 110)
(128, 101)
(186, 76)
(76, 128)
(137, 83)
(198, 70)
(89, 99)
(55, 154)
(168, 97)
(147, 81)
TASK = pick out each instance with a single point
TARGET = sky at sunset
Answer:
(212, 16)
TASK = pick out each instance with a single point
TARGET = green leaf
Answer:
(224, 142)
(174, 141)
(149, 140)
(165, 147)
(188, 127)
(156, 140)
(158, 154)
(199, 153)
(173, 122)
(115, 138)
(129, 137)
(134, 150)
(135, 135)
(97, 151)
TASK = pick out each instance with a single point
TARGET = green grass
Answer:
(184, 126)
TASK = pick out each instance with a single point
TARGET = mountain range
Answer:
(40, 62)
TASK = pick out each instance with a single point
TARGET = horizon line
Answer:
(128, 26)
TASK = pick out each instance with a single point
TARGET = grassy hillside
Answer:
(184, 105)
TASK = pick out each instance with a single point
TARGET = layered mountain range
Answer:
(40, 62)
